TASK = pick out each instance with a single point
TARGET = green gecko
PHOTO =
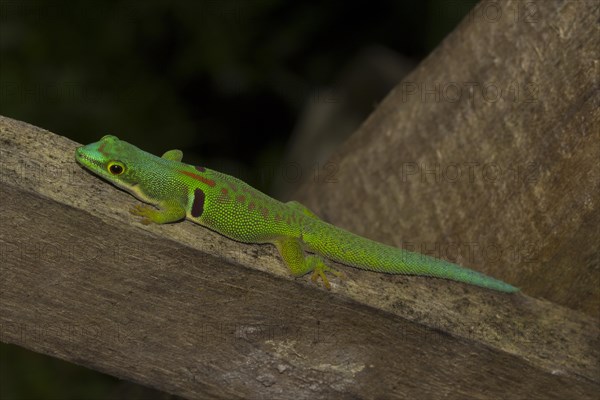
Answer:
(236, 210)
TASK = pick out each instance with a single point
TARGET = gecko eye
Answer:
(116, 168)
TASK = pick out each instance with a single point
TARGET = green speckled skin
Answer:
(235, 209)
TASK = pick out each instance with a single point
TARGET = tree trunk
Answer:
(487, 154)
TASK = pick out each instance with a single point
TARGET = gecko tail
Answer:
(359, 252)
(419, 264)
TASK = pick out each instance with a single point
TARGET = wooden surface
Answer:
(184, 310)
(487, 154)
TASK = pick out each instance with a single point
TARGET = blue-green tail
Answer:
(348, 248)
(425, 265)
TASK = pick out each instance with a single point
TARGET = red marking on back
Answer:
(265, 212)
(251, 206)
(278, 218)
(223, 197)
(200, 178)
(101, 149)
(241, 198)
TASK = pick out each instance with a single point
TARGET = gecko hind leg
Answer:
(300, 264)
(319, 270)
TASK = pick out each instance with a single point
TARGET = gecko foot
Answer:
(320, 269)
(143, 211)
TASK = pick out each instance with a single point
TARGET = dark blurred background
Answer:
(246, 87)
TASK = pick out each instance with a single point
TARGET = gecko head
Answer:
(112, 159)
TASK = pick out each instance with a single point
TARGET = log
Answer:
(182, 309)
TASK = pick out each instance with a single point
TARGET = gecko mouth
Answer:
(84, 159)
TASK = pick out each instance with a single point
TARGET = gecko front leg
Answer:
(167, 212)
